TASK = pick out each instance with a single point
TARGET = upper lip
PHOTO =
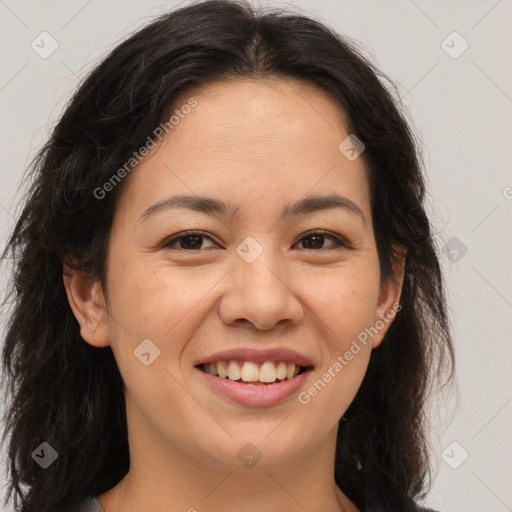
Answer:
(257, 355)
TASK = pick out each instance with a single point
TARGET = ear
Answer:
(389, 297)
(86, 299)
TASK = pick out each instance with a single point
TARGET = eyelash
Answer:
(339, 242)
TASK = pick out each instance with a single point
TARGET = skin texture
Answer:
(258, 145)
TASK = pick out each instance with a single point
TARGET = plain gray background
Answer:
(461, 105)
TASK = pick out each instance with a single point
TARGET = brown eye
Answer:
(188, 241)
(315, 240)
(193, 241)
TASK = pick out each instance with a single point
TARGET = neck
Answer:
(165, 476)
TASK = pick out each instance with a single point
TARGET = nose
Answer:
(261, 294)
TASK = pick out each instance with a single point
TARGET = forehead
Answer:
(267, 111)
(269, 141)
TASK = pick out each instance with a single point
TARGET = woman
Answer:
(284, 364)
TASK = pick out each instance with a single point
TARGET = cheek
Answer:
(165, 306)
(152, 298)
(347, 310)
(346, 306)
(171, 307)
(345, 299)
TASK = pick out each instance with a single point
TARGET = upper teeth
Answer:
(252, 372)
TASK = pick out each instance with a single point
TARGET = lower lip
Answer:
(246, 394)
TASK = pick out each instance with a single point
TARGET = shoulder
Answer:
(88, 503)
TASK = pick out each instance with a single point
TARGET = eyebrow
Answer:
(214, 207)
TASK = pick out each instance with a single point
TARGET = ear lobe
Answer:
(86, 300)
(389, 298)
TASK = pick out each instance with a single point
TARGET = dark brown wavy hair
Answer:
(70, 394)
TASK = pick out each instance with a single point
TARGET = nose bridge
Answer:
(260, 292)
(258, 268)
(262, 274)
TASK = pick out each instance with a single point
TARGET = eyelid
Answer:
(173, 238)
(340, 241)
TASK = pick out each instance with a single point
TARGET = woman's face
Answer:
(252, 280)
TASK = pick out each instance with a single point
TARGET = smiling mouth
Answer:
(251, 373)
